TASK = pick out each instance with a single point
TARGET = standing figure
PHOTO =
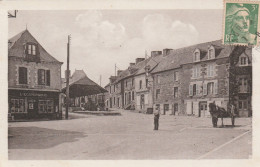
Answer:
(156, 118)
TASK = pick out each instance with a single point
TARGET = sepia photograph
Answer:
(131, 84)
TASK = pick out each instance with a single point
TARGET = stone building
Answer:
(144, 82)
(34, 79)
(190, 78)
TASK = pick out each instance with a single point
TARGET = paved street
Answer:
(129, 136)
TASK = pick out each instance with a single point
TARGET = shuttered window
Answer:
(191, 90)
(216, 87)
(44, 77)
(204, 88)
(22, 75)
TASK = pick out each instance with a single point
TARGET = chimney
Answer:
(156, 53)
(167, 51)
(131, 64)
(138, 60)
(119, 72)
(112, 79)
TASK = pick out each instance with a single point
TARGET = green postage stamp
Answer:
(241, 26)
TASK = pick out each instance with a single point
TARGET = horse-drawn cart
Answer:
(220, 112)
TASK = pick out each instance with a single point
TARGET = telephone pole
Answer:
(68, 78)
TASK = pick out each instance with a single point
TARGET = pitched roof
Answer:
(185, 55)
(16, 47)
(84, 86)
(132, 70)
(151, 62)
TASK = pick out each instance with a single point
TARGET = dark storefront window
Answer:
(17, 105)
(45, 106)
(22, 75)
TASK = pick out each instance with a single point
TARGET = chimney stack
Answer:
(156, 53)
(167, 51)
(119, 72)
(138, 60)
(131, 64)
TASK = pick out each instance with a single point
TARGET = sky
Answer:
(102, 38)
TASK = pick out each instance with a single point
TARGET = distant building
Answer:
(84, 91)
(184, 81)
(34, 79)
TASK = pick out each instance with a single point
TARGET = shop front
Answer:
(31, 104)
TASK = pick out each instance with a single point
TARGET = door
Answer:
(32, 108)
(142, 101)
(165, 108)
(110, 102)
(203, 109)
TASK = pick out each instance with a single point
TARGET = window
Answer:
(196, 72)
(114, 100)
(157, 93)
(45, 106)
(243, 60)
(140, 84)
(22, 75)
(44, 77)
(242, 104)
(132, 81)
(210, 70)
(31, 49)
(17, 106)
(197, 56)
(175, 93)
(158, 79)
(146, 83)
(211, 54)
(194, 89)
(175, 108)
(210, 88)
(175, 76)
(243, 85)
(133, 95)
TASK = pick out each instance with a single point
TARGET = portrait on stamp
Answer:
(241, 21)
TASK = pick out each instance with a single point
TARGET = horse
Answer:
(219, 112)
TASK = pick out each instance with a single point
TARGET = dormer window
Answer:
(196, 56)
(211, 52)
(243, 60)
(31, 49)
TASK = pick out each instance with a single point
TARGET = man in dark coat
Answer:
(156, 118)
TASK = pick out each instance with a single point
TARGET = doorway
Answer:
(203, 109)
(32, 108)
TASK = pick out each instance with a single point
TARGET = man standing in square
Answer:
(156, 117)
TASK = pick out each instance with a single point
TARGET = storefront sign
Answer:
(32, 94)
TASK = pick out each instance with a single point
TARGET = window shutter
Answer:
(204, 88)
(216, 87)
(25, 75)
(191, 90)
(197, 89)
(48, 77)
(39, 77)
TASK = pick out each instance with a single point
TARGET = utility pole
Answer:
(115, 69)
(68, 79)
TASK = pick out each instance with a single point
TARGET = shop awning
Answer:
(84, 87)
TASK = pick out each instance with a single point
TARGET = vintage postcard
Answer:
(130, 81)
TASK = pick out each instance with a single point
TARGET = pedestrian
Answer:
(156, 118)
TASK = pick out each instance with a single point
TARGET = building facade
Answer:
(34, 79)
